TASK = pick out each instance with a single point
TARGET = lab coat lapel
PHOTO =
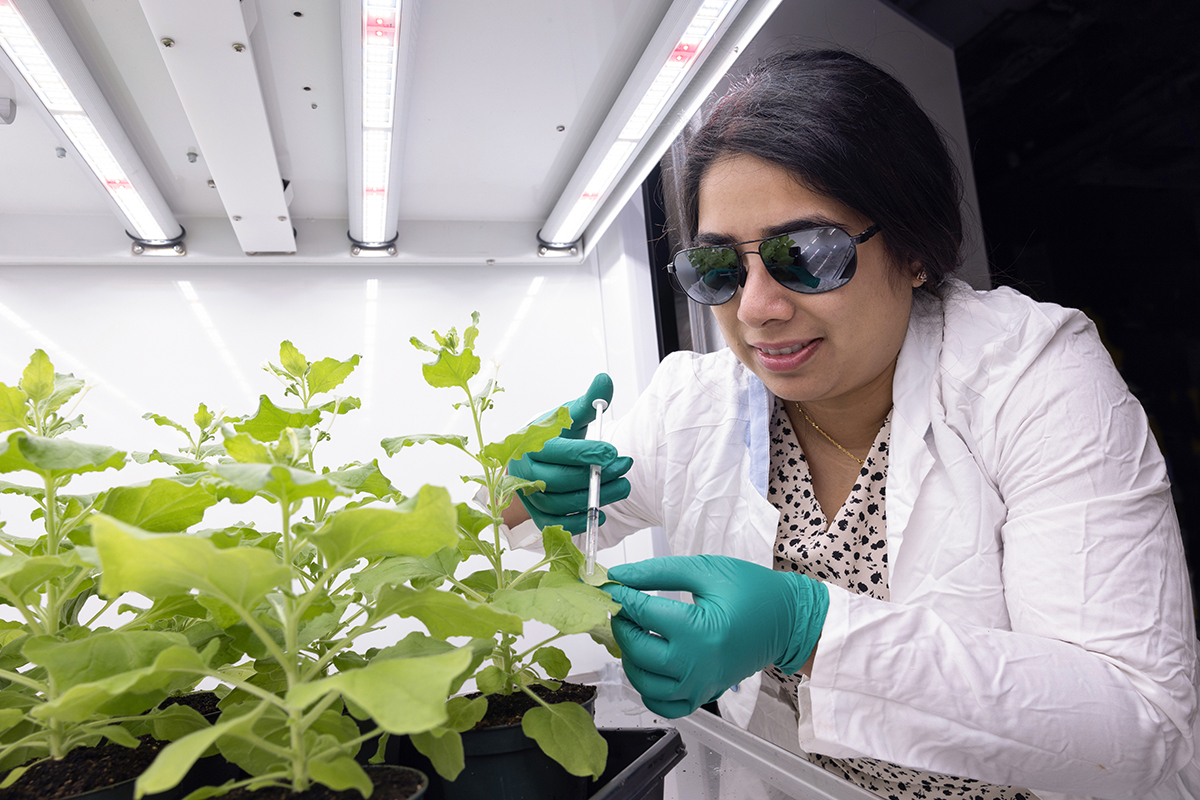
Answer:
(910, 457)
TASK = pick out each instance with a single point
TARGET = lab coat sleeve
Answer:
(1091, 693)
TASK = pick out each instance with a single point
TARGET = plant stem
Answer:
(17, 677)
(521, 656)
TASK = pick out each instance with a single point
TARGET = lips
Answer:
(784, 357)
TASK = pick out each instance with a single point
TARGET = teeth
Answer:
(787, 351)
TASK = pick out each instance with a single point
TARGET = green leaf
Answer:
(531, 438)
(553, 661)
(364, 478)
(162, 565)
(203, 417)
(444, 749)
(291, 359)
(278, 481)
(56, 457)
(176, 759)
(445, 614)
(421, 573)
(402, 695)
(490, 680)
(562, 603)
(567, 733)
(176, 721)
(12, 407)
(184, 464)
(65, 387)
(38, 378)
(415, 645)
(597, 578)
(160, 506)
(420, 526)
(245, 449)
(328, 373)
(341, 405)
(566, 557)
(159, 419)
(22, 574)
(451, 369)
(341, 773)
(397, 443)
(270, 420)
(118, 735)
(115, 673)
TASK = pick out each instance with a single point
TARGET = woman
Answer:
(978, 585)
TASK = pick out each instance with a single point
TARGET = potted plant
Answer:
(285, 598)
(551, 591)
(67, 683)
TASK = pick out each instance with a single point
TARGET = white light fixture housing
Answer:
(378, 38)
(694, 46)
(209, 50)
(37, 51)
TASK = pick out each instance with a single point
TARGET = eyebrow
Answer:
(804, 223)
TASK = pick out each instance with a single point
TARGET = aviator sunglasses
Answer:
(808, 261)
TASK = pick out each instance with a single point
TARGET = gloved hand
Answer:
(564, 464)
(680, 656)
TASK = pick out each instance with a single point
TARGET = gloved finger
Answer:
(669, 709)
(668, 618)
(556, 502)
(645, 650)
(561, 478)
(573, 452)
(582, 411)
(651, 684)
(574, 524)
(696, 574)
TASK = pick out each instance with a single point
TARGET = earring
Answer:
(922, 276)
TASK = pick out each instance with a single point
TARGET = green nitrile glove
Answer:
(680, 656)
(564, 464)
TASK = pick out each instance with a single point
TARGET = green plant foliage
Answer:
(494, 602)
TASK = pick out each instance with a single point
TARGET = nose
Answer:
(762, 299)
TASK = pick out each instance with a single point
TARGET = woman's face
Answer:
(833, 348)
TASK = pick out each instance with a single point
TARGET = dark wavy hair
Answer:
(849, 131)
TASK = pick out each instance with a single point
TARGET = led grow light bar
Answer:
(103, 154)
(377, 52)
(660, 88)
(380, 52)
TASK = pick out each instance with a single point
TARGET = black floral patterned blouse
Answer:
(850, 551)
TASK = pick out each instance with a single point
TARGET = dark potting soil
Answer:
(84, 769)
(508, 709)
(390, 784)
(204, 702)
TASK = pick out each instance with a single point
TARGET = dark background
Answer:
(1084, 124)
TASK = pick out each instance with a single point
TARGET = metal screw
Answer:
(167, 42)
(61, 152)
(192, 157)
(356, 250)
(574, 251)
(138, 249)
(212, 184)
(561, 128)
(283, 219)
(491, 262)
(391, 251)
(237, 219)
(314, 105)
(178, 248)
(238, 47)
(542, 251)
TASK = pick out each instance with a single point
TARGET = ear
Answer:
(919, 276)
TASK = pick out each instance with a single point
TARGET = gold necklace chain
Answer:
(861, 462)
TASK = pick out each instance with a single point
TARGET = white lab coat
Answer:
(1040, 631)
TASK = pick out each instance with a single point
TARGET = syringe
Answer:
(593, 507)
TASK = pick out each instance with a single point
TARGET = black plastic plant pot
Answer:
(507, 765)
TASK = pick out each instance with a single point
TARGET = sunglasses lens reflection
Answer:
(809, 262)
